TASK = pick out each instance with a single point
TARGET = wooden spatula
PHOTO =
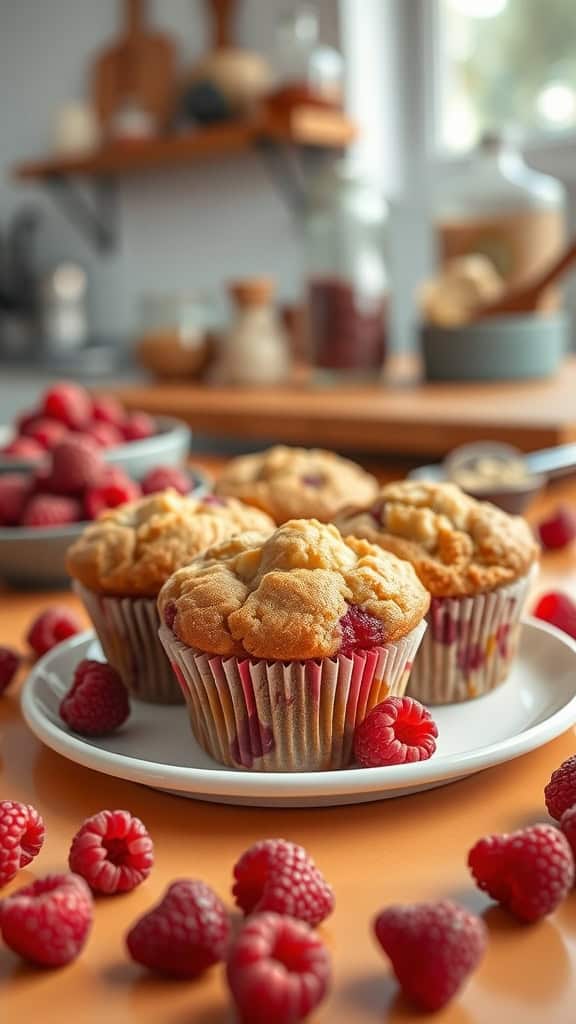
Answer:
(140, 68)
(526, 298)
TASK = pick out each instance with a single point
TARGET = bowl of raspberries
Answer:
(46, 501)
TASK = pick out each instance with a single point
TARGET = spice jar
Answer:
(256, 349)
(347, 282)
(175, 337)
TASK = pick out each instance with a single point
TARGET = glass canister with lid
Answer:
(346, 275)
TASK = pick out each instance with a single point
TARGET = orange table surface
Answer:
(406, 849)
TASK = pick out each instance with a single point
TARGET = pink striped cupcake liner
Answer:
(469, 645)
(127, 628)
(286, 716)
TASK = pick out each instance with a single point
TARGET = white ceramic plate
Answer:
(156, 747)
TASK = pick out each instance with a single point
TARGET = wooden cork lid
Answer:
(252, 291)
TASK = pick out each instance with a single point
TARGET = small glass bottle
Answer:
(347, 281)
(255, 350)
(307, 71)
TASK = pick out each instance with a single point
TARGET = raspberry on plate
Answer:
(278, 970)
(398, 730)
(46, 510)
(69, 403)
(278, 875)
(24, 448)
(22, 834)
(163, 477)
(433, 947)
(9, 663)
(97, 703)
(112, 851)
(14, 492)
(360, 631)
(110, 494)
(47, 923)
(107, 409)
(138, 426)
(184, 934)
(529, 872)
(51, 627)
(46, 432)
(559, 610)
(560, 791)
(77, 464)
(559, 529)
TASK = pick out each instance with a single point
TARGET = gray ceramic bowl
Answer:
(505, 348)
(169, 447)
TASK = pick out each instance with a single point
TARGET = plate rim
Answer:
(236, 783)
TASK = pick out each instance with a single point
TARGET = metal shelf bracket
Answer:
(97, 219)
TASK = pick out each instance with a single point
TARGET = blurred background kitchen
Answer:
(315, 222)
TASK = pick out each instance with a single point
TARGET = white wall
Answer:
(188, 228)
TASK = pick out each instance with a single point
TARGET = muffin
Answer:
(121, 561)
(476, 561)
(283, 643)
(297, 483)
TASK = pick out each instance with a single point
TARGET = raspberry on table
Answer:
(47, 923)
(360, 631)
(559, 529)
(278, 970)
(397, 731)
(184, 934)
(112, 851)
(107, 409)
(9, 664)
(77, 464)
(137, 426)
(163, 477)
(529, 871)
(559, 610)
(97, 703)
(24, 448)
(277, 875)
(51, 627)
(22, 834)
(433, 947)
(46, 432)
(568, 826)
(560, 791)
(110, 494)
(14, 493)
(46, 510)
(69, 403)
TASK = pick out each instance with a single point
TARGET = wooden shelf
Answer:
(305, 126)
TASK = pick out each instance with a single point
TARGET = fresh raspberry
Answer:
(568, 826)
(104, 434)
(360, 631)
(24, 448)
(112, 852)
(77, 464)
(69, 403)
(110, 495)
(433, 948)
(25, 419)
(163, 477)
(97, 703)
(529, 872)
(14, 492)
(559, 530)
(559, 610)
(22, 834)
(9, 664)
(48, 922)
(398, 730)
(184, 934)
(277, 875)
(45, 510)
(107, 409)
(560, 792)
(138, 426)
(46, 432)
(51, 627)
(278, 970)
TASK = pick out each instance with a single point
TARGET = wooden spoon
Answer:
(525, 298)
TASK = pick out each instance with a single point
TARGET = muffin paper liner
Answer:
(286, 716)
(127, 628)
(469, 645)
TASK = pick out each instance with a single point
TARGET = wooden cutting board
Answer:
(140, 67)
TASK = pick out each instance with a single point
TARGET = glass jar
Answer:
(175, 338)
(256, 349)
(307, 71)
(347, 282)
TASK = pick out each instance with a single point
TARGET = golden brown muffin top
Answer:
(457, 545)
(133, 549)
(293, 483)
(284, 597)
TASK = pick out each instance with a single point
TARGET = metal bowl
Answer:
(169, 447)
(512, 500)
